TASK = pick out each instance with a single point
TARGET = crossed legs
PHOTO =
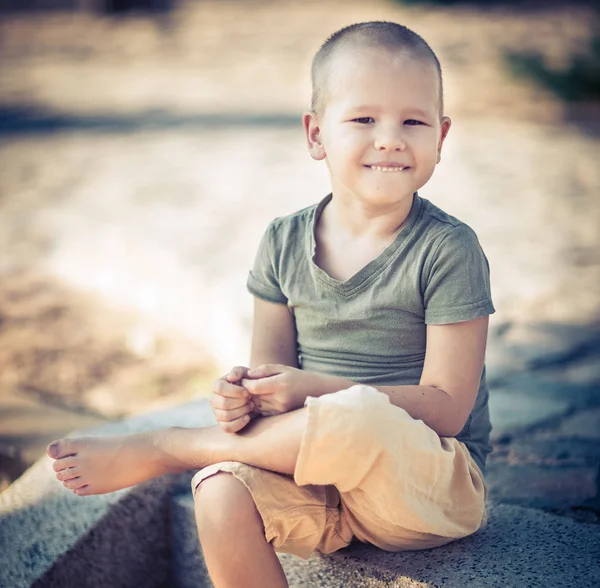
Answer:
(408, 489)
(97, 465)
(230, 528)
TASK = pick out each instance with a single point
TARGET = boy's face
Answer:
(381, 131)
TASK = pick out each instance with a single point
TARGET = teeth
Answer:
(386, 169)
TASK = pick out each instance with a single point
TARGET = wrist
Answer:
(321, 384)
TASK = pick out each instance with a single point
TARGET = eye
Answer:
(413, 122)
(364, 120)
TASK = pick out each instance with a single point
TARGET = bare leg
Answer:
(97, 465)
(232, 536)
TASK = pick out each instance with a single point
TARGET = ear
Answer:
(312, 131)
(444, 128)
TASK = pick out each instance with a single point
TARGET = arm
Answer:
(449, 383)
(443, 398)
(273, 335)
(273, 341)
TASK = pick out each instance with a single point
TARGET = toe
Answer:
(74, 483)
(83, 491)
(65, 462)
(68, 474)
(61, 448)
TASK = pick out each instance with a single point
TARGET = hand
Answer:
(231, 403)
(276, 388)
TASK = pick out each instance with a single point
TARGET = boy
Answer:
(371, 315)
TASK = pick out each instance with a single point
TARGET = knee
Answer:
(359, 402)
(360, 395)
(366, 413)
(223, 501)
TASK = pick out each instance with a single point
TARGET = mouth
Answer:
(389, 167)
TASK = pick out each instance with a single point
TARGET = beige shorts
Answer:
(367, 471)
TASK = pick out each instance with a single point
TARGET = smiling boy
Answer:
(362, 97)
(363, 415)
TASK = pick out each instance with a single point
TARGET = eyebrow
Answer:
(419, 112)
(367, 107)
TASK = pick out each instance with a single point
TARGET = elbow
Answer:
(451, 431)
(446, 419)
(453, 425)
(447, 429)
(456, 415)
(450, 414)
(455, 420)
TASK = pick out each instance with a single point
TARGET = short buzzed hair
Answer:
(381, 34)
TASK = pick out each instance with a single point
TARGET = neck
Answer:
(360, 219)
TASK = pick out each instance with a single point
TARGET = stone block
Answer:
(541, 487)
(547, 449)
(514, 411)
(542, 386)
(546, 344)
(518, 547)
(143, 537)
(51, 537)
(583, 425)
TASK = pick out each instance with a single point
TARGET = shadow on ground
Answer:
(15, 120)
(513, 5)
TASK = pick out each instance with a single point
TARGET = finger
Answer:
(236, 425)
(226, 416)
(225, 403)
(224, 388)
(268, 385)
(250, 385)
(236, 373)
(264, 371)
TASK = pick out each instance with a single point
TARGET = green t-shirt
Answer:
(371, 328)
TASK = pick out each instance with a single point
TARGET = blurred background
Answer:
(146, 144)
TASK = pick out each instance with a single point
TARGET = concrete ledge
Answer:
(519, 547)
(146, 537)
(50, 537)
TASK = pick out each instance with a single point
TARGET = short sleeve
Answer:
(457, 287)
(262, 279)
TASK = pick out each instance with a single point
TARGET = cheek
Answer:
(344, 148)
(426, 147)
(341, 135)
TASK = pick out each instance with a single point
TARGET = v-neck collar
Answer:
(372, 269)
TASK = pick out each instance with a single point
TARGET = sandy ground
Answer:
(141, 159)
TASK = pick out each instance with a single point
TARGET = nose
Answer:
(390, 139)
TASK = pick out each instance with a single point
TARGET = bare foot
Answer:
(97, 465)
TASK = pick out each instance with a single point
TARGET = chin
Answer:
(390, 196)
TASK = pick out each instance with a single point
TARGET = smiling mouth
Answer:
(387, 168)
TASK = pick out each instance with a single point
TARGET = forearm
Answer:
(436, 408)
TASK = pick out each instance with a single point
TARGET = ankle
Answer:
(175, 449)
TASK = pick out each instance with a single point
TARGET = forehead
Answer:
(375, 74)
